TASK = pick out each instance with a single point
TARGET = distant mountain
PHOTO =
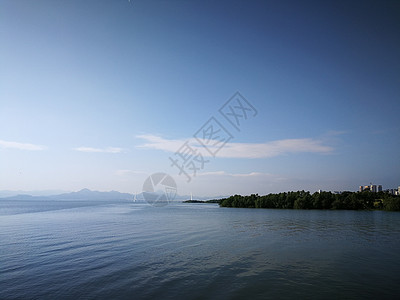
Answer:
(24, 197)
(9, 193)
(84, 194)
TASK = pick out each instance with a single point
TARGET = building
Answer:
(390, 191)
(371, 188)
(395, 192)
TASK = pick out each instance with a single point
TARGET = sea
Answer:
(126, 250)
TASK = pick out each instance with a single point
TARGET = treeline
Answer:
(324, 200)
(201, 201)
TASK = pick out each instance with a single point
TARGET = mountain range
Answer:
(84, 194)
(88, 195)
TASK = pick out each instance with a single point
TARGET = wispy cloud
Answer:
(159, 143)
(21, 146)
(241, 150)
(99, 150)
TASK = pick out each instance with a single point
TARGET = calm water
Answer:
(83, 250)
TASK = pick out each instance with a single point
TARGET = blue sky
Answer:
(100, 94)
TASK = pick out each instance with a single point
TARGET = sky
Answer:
(227, 97)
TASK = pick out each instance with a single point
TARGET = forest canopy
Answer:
(323, 200)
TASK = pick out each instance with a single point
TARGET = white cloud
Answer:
(274, 148)
(99, 150)
(21, 146)
(156, 142)
(214, 173)
(240, 150)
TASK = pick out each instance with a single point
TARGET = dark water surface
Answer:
(86, 250)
